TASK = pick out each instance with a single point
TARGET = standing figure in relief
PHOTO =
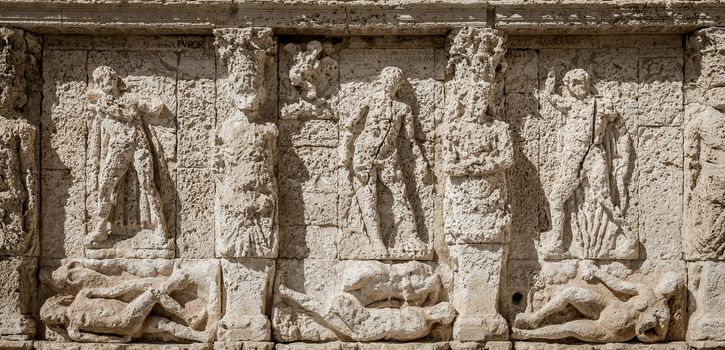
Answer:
(607, 319)
(592, 173)
(125, 144)
(18, 183)
(246, 191)
(372, 137)
(705, 154)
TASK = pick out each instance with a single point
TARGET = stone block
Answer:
(247, 293)
(195, 213)
(660, 191)
(18, 298)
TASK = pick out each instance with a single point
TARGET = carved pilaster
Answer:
(477, 151)
(246, 202)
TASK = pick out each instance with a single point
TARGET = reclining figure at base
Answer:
(645, 315)
(122, 312)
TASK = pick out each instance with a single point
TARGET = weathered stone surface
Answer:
(118, 300)
(18, 294)
(247, 291)
(580, 300)
(246, 202)
(362, 175)
(19, 201)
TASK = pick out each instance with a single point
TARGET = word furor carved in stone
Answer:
(371, 177)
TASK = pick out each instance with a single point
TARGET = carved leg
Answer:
(150, 201)
(567, 181)
(327, 315)
(407, 242)
(113, 168)
(584, 330)
(367, 199)
(137, 311)
(590, 304)
(172, 306)
(156, 324)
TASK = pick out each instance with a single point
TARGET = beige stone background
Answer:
(643, 74)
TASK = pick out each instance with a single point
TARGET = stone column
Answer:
(704, 219)
(245, 205)
(18, 184)
(477, 151)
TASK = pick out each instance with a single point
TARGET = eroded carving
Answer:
(246, 192)
(370, 152)
(128, 152)
(310, 77)
(477, 146)
(18, 157)
(704, 138)
(379, 302)
(590, 192)
(605, 318)
(117, 301)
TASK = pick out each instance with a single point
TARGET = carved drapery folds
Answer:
(247, 188)
(246, 203)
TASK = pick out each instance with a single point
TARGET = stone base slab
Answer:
(611, 346)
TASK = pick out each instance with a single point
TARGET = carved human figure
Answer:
(705, 160)
(18, 182)
(347, 316)
(246, 190)
(370, 151)
(122, 312)
(595, 150)
(606, 318)
(124, 146)
(382, 285)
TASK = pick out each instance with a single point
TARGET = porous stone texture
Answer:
(362, 175)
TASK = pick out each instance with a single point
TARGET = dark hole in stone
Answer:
(516, 298)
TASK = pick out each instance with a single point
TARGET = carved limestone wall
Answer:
(410, 176)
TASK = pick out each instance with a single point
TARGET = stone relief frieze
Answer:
(259, 189)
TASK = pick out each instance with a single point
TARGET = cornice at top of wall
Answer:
(361, 17)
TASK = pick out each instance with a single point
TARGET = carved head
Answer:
(391, 79)
(249, 84)
(54, 311)
(577, 82)
(670, 284)
(12, 62)
(246, 52)
(106, 79)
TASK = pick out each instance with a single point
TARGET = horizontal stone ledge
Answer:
(453, 345)
(360, 17)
